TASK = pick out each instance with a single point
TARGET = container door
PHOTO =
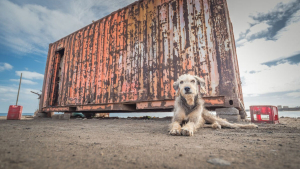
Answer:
(56, 78)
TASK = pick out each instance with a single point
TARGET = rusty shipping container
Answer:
(128, 60)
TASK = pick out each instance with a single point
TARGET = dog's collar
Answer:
(187, 108)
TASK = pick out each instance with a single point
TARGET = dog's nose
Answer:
(187, 89)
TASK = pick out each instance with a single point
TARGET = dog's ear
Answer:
(176, 85)
(201, 82)
(202, 90)
(176, 88)
(177, 93)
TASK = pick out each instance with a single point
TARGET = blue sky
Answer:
(266, 32)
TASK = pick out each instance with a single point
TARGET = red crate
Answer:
(14, 112)
(264, 114)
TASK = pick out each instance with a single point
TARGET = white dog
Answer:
(189, 111)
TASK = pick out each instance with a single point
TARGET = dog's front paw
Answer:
(187, 132)
(175, 132)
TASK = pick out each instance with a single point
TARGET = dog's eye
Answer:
(193, 81)
(181, 82)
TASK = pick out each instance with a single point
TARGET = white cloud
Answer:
(6, 89)
(39, 61)
(294, 94)
(24, 81)
(296, 17)
(241, 43)
(261, 27)
(240, 10)
(30, 75)
(281, 78)
(4, 100)
(5, 66)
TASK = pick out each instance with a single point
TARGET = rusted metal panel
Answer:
(118, 61)
(217, 101)
(99, 54)
(136, 53)
(106, 107)
(210, 48)
(56, 109)
(169, 104)
(89, 64)
(106, 59)
(84, 66)
(94, 64)
(65, 73)
(72, 66)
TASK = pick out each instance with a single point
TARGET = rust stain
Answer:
(65, 73)
(78, 55)
(143, 105)
(169, 103)
(71, 62)
(105, 107)
(56, 109)
(135, 54)
(214, 101)
(100, 62)
(100, 107)
(156, 104)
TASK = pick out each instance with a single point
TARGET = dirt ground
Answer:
(128, 143)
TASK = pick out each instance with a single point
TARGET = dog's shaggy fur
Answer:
(190, 113)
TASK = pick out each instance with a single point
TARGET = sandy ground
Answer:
(127, 143)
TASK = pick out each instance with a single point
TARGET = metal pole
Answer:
(19, 89)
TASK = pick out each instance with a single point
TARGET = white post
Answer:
(19, 90)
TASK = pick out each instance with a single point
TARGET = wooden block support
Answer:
(50, 114)
(227, 111)
(230, 114)
(40, 115)
(243, 114)
(56, 116)
(231, 118)
(65, 116)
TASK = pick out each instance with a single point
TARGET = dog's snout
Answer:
(187, 89)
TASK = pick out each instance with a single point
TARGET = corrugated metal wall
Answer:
(136, 53)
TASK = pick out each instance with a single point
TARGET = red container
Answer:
(14, 112)
(264, 114)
